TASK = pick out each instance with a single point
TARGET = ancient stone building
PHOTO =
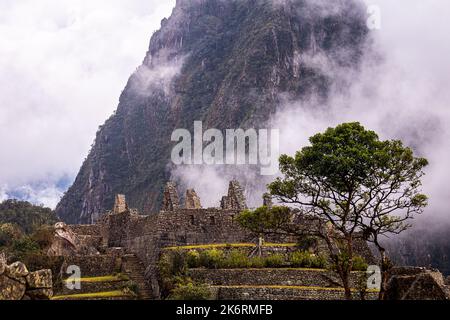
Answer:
(119, 238)
(235, 200)
(171, 200)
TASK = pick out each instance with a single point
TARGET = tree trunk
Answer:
(347, 289)
(385, 266)
(342, 268)
(349, 267)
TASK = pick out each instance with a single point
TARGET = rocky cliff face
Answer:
(426, 245)
(227, 63)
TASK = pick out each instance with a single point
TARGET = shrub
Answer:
(193, 259)
(172, 267)
(131, 286)
(299, 259)
(212, 258)
(320, 261)
(38, 261)
(172, 263)
(304, 259)
(191, 291)
(178, 262)
(23, 247)
(359, 264)
(257, 262)
(237, 259)
(43, 236)
(8, 233)
(274, 261)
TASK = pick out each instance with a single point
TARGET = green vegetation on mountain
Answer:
(24, 215)
(26, 232)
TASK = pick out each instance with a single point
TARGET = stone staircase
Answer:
(135, 269)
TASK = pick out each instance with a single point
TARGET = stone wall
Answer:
(268, 276)
(284, 293)
(147, 235)
(17, 283)
(94, 266)
(86, 229)
(171, 200)
(176, 228)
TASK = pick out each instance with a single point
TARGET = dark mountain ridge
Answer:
(226, 63)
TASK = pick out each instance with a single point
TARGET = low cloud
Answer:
(63, 65)
(157, 76)
(400, 92)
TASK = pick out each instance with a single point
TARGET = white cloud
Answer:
(3, 195)
(404, 97)
(63, 65)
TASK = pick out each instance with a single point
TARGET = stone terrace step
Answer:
(89, 287)
(272, 276)
(102, 295)
(95, 265)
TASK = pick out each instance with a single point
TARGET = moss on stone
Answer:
(292, 287)
(106, 294)
(109, 278)
(229, 245)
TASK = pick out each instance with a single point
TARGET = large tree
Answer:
(354, 185)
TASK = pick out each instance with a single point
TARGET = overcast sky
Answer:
(63, 65)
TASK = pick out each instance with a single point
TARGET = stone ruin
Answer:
(17, 283)
(68, 243)
(120, 204)
(235, 200)
(128, 231)
(416, 283)
(171, 201)
(125, 232)
(192, 200)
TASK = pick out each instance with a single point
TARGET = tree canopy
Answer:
(349, 176)
(352, 185)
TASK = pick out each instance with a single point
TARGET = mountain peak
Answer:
(226, 63)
